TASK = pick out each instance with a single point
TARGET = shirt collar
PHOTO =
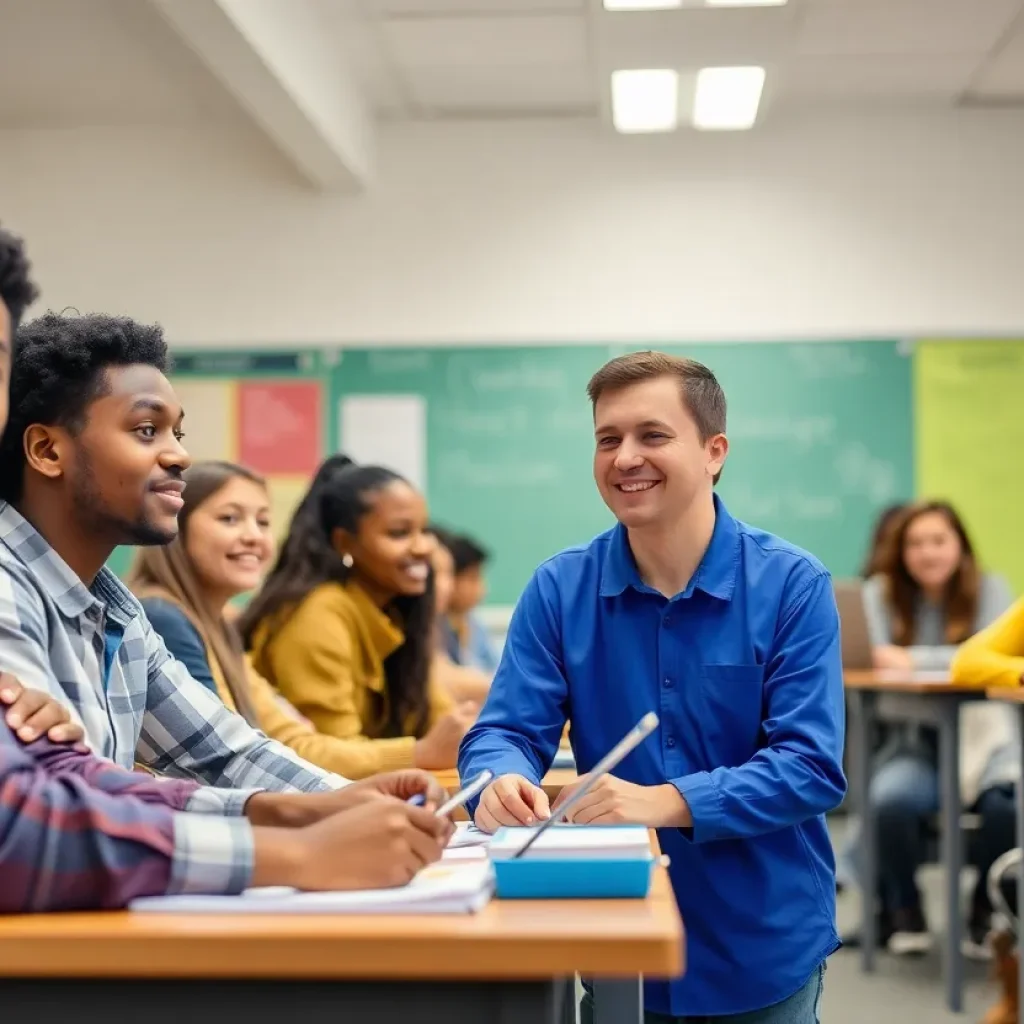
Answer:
(54, 576)
(716, 574)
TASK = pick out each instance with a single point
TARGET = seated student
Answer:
(929, 596)
(465, 636)
(464, 683)
(343, 626)
(91, 459)
(223, 545)
(77, 832)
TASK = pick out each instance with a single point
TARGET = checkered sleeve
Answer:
(187, 732)
(211, 855)
(23, 632)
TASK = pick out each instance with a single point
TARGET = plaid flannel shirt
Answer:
(93, 649)
(79, 833)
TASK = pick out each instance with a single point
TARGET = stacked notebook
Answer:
(574, 842)
(460, 887)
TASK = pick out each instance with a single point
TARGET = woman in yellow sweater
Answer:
(223, 546)
(344, 624)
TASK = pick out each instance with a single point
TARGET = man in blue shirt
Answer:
(731, 635)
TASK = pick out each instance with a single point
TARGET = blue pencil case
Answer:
(573, 862)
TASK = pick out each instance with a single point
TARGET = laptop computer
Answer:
(853, 625)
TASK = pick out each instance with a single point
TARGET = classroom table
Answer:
(512, 963)
(1016, 696)
(929, 700)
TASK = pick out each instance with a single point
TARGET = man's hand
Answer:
(378, 844)
(31, 714)
(298, 810)
(511, 800)
(612, 801)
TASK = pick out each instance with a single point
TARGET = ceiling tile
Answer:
(904, 26)
(443, 8)
(1002, 76)
(488, 42)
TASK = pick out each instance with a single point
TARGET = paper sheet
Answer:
(386, 430)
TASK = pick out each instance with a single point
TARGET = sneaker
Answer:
(975, 945)
(910, 935)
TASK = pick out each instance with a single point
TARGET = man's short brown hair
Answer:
(702, 395)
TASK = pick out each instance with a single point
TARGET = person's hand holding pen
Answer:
(511, 800)
(613, 801)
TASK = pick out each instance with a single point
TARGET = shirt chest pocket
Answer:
(732, 697)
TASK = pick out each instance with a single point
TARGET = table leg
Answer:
(952, 852)
(863, 722)
(1020, 877)
(619, 1002)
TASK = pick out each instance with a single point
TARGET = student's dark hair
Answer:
(58, 371)
(877, 549)
(445, 537)
(699, 389)
(467, 553)
(17, 292)
(960, 601)
(339, 497)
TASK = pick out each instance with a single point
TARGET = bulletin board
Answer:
(267, 411)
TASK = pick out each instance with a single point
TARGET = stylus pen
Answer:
(632, 739)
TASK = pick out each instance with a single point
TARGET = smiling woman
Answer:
(344, 625)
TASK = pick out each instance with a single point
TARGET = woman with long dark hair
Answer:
(344, 625)
(928, 596)
(224, 545)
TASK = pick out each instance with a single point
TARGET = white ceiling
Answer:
(75, 62)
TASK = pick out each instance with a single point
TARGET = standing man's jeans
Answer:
(803, 1007)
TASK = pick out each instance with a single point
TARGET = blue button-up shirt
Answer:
(744, 670)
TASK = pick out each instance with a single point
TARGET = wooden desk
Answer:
(513, 963)
(1015, 696)
(931, 701)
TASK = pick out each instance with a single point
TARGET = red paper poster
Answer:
(280, 426)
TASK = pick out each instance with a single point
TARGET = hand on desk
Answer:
(32, 713)
(511, 800)
(889, 657)
(613, 801)
(296, 810)
(381, 843)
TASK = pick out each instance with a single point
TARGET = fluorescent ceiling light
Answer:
(641, 5)
(645, 100)
(727, 98)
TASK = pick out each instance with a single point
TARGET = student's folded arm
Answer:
(66, 845)
(798, 773)
(521, 724)
(352, 758)
(311, 661)
(187, 732)
(995, 656)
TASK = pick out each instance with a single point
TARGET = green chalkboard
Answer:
(820, 434)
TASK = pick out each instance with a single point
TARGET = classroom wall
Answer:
(902, 224)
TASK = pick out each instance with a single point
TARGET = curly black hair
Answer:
(17, 292)
(57, 372)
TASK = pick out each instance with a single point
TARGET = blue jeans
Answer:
(904, 791)
(803, 1007)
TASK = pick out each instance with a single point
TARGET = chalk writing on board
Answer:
(487, 422)
(763, 507)
(462, 468)
(524, 377)
(804, 431)
(817, 361)
(860, 472)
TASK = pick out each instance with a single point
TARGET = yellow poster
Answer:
(969, 434)
(210, 422)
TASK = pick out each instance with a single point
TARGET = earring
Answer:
(347, 560)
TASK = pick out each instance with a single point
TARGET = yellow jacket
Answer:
(995, 655)
(277, 718)
(327, 660)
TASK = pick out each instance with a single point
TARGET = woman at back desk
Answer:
(344, 624)
(929, 597)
